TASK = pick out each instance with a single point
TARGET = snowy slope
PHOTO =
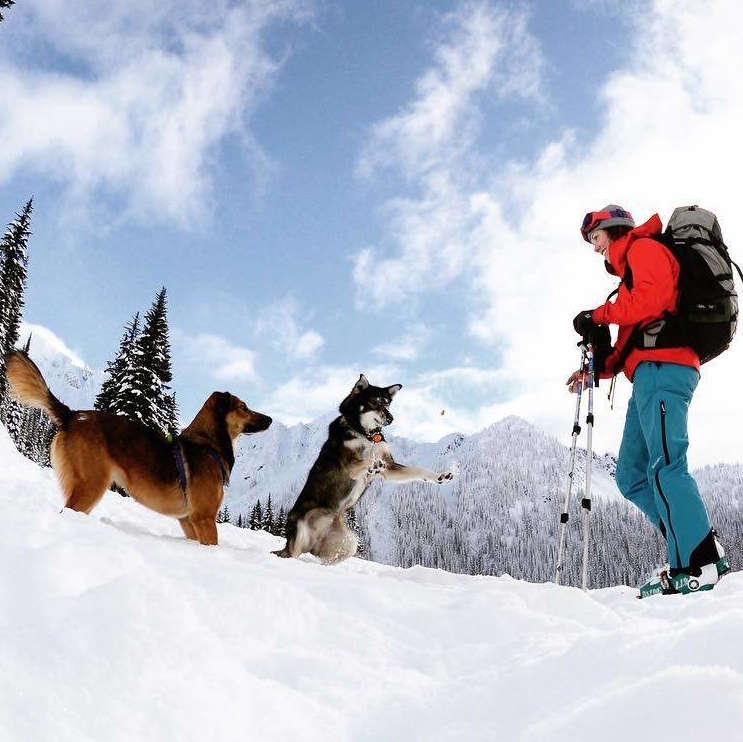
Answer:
(113, 627)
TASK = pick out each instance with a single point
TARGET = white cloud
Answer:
(220, 358)
(417, 409)
(406, 347)
(281, 324)
(487, 51)
(667, 138)
(315, 392)
(140, 111)
(430, 405)
(667, 135)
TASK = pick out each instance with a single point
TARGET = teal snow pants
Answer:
(652, 470)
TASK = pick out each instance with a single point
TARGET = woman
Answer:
(652, 470)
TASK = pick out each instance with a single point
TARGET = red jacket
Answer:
(654, 292)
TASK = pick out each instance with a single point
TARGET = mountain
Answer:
(500, 514)
(68, 376)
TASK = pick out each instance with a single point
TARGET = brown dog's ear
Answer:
(220, 402)
(223, 403)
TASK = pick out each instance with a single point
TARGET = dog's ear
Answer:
(393, 390)
(224, 403)
(361, 384)
(220, 402)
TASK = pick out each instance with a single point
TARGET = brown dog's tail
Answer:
(27, 385)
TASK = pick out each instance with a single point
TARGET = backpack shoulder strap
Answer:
(633, 341)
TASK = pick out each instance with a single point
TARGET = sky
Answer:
(329, 188)
(115, 627)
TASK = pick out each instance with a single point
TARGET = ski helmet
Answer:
(610, 216)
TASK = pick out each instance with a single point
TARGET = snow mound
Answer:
(114, 627)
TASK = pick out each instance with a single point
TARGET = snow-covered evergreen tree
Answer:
(138, 377)
(5, 4)
(31, 430)
(13, 271)
(112, 394)
(154, 340)
(140, 389)
(154, 368)
(267, 523)
(224, 515)
(255, 521)
(280, 523)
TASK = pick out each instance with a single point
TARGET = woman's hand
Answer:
(576, 379)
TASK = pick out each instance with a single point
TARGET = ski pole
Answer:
(586, 503)
(571, 468)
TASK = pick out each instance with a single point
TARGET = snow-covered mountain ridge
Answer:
(68, 376)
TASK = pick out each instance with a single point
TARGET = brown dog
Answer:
(184, 478)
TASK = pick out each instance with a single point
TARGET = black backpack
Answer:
(707, 314)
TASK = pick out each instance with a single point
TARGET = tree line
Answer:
(263, 518)
(260, 518)
(138, 378)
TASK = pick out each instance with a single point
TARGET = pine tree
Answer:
(154, 340)
(32, 431)
(110, 398)
(13, 271)
(267, 524)
(159, 409)
(280, 526)
(140, 390)
(138, 377)
(5, 4)
(256, 517)
(224, 515)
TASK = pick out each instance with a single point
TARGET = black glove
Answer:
(584, 325)
(599, 337)
(601, 349)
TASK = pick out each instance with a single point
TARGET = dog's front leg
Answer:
(395, 472)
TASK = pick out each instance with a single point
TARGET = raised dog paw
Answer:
(446, 477)
(377, 467)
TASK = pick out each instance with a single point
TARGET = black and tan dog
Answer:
(184, 478)
(353, 456)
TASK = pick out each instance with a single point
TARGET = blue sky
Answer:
(327, 188)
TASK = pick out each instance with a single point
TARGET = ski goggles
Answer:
(593, 219)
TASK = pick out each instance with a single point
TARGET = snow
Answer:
(113, 627)
(67, 375)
